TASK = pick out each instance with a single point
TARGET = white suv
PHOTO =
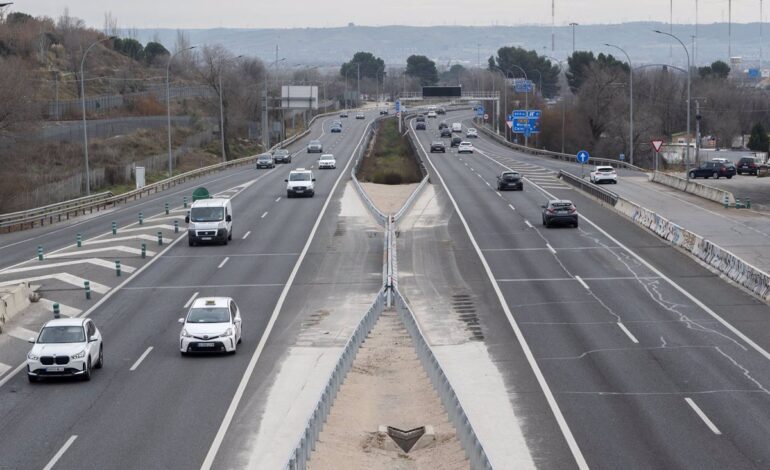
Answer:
(604, 174)
(65, 347)
(327, 161)
(213, 324)
(300, 183)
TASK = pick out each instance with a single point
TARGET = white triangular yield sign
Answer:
(657, 144)
(510, 124)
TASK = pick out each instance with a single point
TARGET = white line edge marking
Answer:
(703, 416)
(224, 261)
(561, 421)
(141, 358)
(61, 452)
(627, 332)
(116, 289)
(190, 301)
(582, 282)
(264, 215)
(658, 273)
(528, 224)
(220, 436)
(550, 248)
(246, 235)
(278, 199)
(511, 206)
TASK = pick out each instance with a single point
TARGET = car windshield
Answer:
(315, 142)
(327, 157)
(209, 315)
(281, 152)
(299, 177)
(265, 157)
(62, 334)
(207, 214)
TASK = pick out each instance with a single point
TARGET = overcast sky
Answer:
(330, 13)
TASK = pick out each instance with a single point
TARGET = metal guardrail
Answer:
(465, 433)
(72, 208)
(558, 155)
(16, 217)
(306, 444)
(376, 213)
(600, 193)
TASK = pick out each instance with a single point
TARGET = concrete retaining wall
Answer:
(698, 189)
(13, 299)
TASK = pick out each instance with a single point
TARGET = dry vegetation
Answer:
(391, 158)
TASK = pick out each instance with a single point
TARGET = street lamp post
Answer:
(631, 105)
(505, 99)
(168, 106)
(689, 96)
(573, 36)
(83, 100)
(222, 111)
(265, 106)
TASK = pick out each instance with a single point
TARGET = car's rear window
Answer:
(606, 170)
(511, 176)
(561, 205)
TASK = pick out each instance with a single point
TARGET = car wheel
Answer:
(729, 176)
(183, 353)
(692, 175)
(230, 235)
(190, 242)
(715, 175)
(240, 340)
(100, 361)
(288, 196)
(87, 374)
(32, 379)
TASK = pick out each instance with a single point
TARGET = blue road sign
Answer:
(583, 156)
(480, 111)
(528, 132)
(525, 121)
(398, 106)
(523, 86)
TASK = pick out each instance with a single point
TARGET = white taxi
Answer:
(213, 324)
(604, 174)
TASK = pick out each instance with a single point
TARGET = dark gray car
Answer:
(281, 156)
(265, 161)
(315, 146)
(560, 211)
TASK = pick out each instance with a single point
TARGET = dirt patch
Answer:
(390, 158)
(386, 386)
(389, 198)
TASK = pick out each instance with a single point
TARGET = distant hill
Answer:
(464, 44)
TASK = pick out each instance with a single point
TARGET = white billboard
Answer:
(299, 97)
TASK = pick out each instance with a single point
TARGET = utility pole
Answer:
(761, 20)
(671, 31)
(358, 73)
(573, 36)
(729, 30)
(553, 25)
(695, 48)
(697, 133)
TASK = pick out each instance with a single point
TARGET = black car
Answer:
(265, 161)
(456, 141)
(437, 146)
(446, 132)
(281, 156)
(748, 165)
(344, 114)
(420, 118)
(441, 111)
(383, 112)
(420, 126)
(336, 129)
(509, 180)
(443, 125)
(560, 211)
(713, 170)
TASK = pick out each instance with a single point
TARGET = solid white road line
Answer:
(141, 358)
(264, 215)
(189, 302)
(246, 235)
(511, 206)
(628, 333)
(582, 283)
(550, 248)
(660, 274)
(61, 452)
(4, 368)
(703, 416)
(577, 454)
(528, 224)
(224, 261)
(228, 418)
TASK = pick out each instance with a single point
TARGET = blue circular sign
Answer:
(583, 156)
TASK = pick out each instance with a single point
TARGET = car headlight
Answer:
(79, 355)
(32, 357)
(186, 334)
(228, 332)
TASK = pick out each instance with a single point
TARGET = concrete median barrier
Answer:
(13, 300)
(693, 187)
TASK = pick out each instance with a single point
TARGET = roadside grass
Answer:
(390, 159)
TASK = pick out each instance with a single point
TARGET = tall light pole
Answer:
(83, 100)
(358, 83)
(540, 80)
(671, 30)
(729, 30)
(689, 96)
(695, 49)
(631, 105)
(265, 107)
(573, 36)
(168, 106)
(504, 73)
(761, 20)
(222, 110)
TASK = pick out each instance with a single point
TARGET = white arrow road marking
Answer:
(63, 277)
(94, 261)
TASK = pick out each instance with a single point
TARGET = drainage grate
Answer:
(406, 439)
(341, 229)
(465, 307)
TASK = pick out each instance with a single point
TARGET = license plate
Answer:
(562, 212)
(205, 238)
(299, 190)
(55, 369)
(205, 345)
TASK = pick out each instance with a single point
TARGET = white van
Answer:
(210, 220)
(457, 127)
(300, 183)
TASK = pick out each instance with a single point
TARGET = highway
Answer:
(151, 408)
(642, 358)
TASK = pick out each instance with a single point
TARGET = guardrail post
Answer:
(144, 250)
(160, 238)
(748, 203)
(176, 226)
(117, 267)
(726, 202)
(40, 252)
(166, 208)
(184, 201)
(87, 287)
(114, 228)
(141, 219)
(56, 312)
(79, 239)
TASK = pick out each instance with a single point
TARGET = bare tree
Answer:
(16, 94)
(110, 24)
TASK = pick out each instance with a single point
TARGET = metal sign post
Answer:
(582, 158)
(656, 145)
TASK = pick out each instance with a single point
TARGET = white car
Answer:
(65, 347)
(604, 174)
(327, 161)
(300, 183)
(465, 147)
(471, 132)
(213, 324)
(360, 116)
(457, 127)
(432, 114)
